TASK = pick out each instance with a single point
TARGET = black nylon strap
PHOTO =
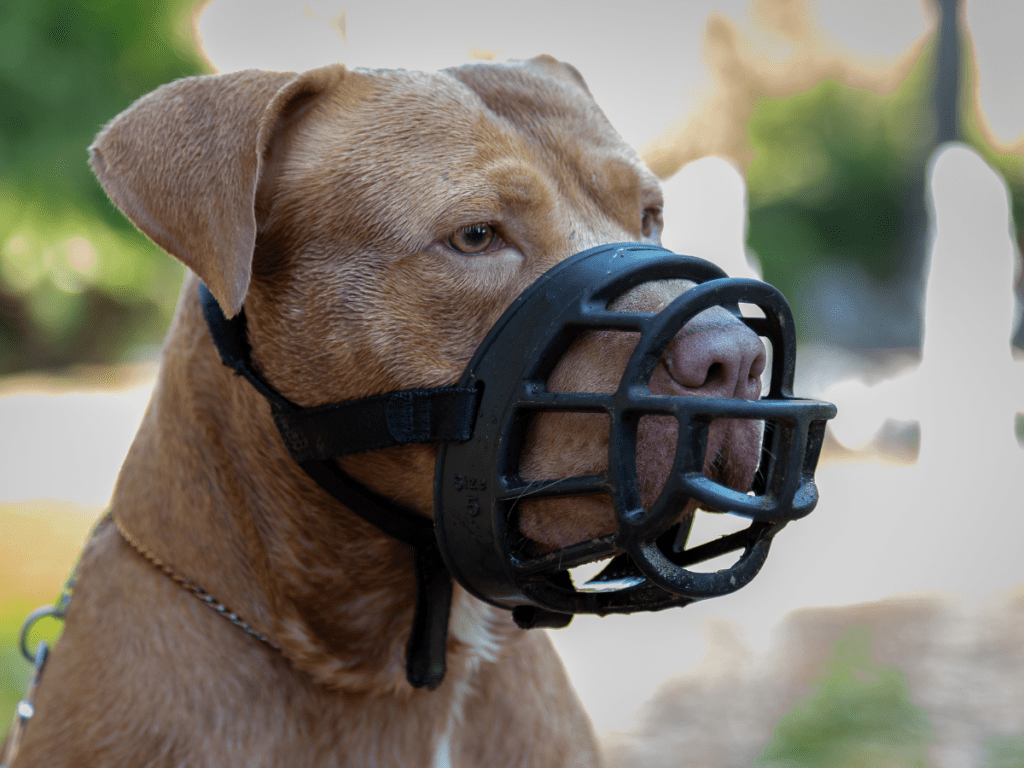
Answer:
(314, 436)
(232, 343)
(437, 415)
(396, 521)
(426, 655)
(425, 660)
(440, 415)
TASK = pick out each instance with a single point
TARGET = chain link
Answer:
(26, 707)
(205, 597)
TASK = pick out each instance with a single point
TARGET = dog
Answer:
(374, 224)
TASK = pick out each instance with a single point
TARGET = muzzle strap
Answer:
(427, 649)
(315, 436)
(441, 415)
(232, 343)
(436, 415)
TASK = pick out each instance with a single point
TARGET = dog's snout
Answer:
(716, 355)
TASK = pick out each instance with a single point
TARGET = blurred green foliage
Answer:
(1005, 751)
(837, 176)
(829, 178)
(861, 716)
(78, 283)
(829, 168)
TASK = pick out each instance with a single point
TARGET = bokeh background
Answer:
(829, 111)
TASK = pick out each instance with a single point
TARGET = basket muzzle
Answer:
(478, 485)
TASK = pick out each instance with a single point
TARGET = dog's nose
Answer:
(716, 355)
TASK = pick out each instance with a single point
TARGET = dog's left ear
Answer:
(184, 164)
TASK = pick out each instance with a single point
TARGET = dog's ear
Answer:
(562, 69)
(184, 164)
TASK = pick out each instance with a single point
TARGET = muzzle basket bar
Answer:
(478, 486)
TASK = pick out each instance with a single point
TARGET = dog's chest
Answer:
(479, 627)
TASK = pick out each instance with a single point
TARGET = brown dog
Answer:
(375, 224)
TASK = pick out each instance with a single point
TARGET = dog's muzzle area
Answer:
(736, 450)
(714, 355)
(540, 471)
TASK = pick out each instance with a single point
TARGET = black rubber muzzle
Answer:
(479, 489)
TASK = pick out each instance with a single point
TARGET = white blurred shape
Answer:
(863, 409)
(969, 386)
(969, 307)
(856, 25)
(967, 389)
(706, 215)
(995, 29)
(642, 64)
(66, 447)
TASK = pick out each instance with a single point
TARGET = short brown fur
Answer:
(324, 201)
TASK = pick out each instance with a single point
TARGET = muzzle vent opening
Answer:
(593, 362)
(705, 529)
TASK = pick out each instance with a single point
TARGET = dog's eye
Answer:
(473, 239)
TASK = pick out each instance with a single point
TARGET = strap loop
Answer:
(316, 436)
(441, 415)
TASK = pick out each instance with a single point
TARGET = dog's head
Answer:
(376, 224)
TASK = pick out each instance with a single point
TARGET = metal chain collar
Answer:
(26, 707)
(205, 597)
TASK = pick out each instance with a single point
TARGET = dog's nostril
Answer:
(715, 375)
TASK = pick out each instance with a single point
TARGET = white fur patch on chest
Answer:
(479, 626)
(443, 751)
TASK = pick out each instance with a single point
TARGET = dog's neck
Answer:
(334, 592)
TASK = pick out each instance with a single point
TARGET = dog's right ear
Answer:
(184, 164)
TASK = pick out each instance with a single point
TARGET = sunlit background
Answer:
(898, 252)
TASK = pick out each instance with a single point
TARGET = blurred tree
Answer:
(78, 283)
(837, 208)
(828, 173)
(834, 186)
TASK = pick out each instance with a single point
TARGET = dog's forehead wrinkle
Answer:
(563, 123)
(352, 208)
(500, 169)
(359, 137)
(553, 117)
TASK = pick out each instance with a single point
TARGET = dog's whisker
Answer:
(533, 484)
